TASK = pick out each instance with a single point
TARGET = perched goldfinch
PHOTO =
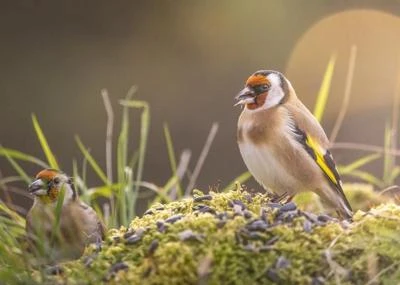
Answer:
(78, 223)
(283, 145)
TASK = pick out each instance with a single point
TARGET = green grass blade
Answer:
(105, 191)
(43, 142)
(367, 177)
(57, 212)
(324, 89)
(394, 174)
(17, 167)
(345, 169)
(387, 157)
(22, 156)
(242, 178)
(144, 132)
(95, 166)
(172, 159)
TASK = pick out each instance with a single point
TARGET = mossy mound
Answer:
(242, 238)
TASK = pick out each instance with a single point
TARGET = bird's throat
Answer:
(258, 102)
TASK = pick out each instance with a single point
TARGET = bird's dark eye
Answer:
(56, 180)
(261, 88)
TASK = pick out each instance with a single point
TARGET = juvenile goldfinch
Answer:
(79, 224)
(283, 145)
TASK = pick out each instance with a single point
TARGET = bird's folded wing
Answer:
(324, 160)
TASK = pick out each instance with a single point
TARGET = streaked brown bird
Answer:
(283, 145)
(78, 224)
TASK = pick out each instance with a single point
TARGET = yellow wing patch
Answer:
(320, 160)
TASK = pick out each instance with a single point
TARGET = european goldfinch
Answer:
(78, 223)
(283, 145)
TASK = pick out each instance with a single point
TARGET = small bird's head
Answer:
(48, 184)
(264, 89)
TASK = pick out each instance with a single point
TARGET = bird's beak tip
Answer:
(246, 96)
(35, 186)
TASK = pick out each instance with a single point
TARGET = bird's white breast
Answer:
(266, 169)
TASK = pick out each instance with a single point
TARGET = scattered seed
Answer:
(274, 205)
(54, 270)
(190, 235)
(282, 263)
(117, 239)
(129, 233)
(206, 209)
(221, 224)
(272, 240)
(288, 207)
(88, 260)
(273, 275)
(263, 214)
(114, 269)
(250, 247)
(161, 227)
(311, 217)
(257, 225)
(133, 239)
(202, 198)
(240, 203)
(238, 210)
(249, 199)
(318, 280)
(153, 247)
(222, 216)
(307, 226)
(265, 248)
(324, 218)
(247, 214)
(148, 212)
(174, 218)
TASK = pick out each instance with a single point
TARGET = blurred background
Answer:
(189, 59)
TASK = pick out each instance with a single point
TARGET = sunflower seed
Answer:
(202, 198)
(174, 218)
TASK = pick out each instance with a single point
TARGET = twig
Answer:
(181, 170)
(383, 271)
(109, 133)
(395, 111)
(346, 99)
(202, 158)
(365, 147)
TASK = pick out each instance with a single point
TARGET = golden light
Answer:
(377, 37)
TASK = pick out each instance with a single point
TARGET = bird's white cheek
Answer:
(275, 96)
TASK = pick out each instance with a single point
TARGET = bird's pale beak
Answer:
(37, 188)
(246, 96)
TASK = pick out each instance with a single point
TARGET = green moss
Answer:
(214, 241)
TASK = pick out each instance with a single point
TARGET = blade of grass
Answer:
(172, 160)
(109, 132)
(387, 157)
(97, 169)
(144, 131)
(242, 178)
(57, 212)
(203, 155)
(347, 92)
(324, 89)
(367, 177)
(105, 191)
(43, 142)
(22, 156)
(17, 167)
(122, 150)
(344, 169)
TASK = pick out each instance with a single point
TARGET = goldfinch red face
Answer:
(264, 89)
(48, 184)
